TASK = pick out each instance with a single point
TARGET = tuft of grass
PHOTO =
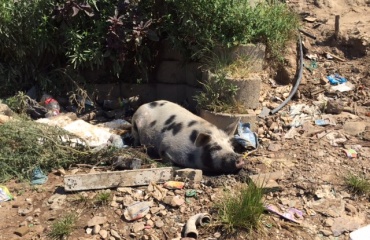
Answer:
(103, 198)
(358, 184)
(63, 227)
(241, 209)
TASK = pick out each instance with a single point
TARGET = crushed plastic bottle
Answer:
(52, 105)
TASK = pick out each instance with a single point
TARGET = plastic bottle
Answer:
(52, 105)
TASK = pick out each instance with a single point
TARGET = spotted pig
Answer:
(183, 138)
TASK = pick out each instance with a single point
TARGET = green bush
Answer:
(49, 42)
(42, 40)
(196, 26)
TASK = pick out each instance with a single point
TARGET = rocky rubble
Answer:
(313, 143)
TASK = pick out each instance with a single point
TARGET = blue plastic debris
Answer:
(38, 177)
(336, 79)
(245, 137)
(322, 122)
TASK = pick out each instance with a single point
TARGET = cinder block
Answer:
(227, 122)
(171, 92)
(191, 92)
(249, 90)
(168, 52)
(195, 175)
(193, 74)
(106, 91)
(171, 72)
(146, 92)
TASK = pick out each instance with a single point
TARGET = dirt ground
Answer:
(310, 157)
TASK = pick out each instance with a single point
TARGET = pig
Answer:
(186, 140)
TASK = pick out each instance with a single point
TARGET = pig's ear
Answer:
(202, 139)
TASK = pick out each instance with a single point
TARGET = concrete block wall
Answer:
(178, 81)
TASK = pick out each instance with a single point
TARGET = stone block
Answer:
(107, 91)
(190, 94)
(193, 74)
(127, 178)
(249, 90)
(195, 175)
(168, 52)
(227, 122)
(171, 72)
(146, 92)
(171, 92)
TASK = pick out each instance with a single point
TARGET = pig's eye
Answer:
(215, 148)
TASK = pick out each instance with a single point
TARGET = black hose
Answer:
(295, 88)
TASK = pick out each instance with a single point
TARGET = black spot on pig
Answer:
(162, 104)
(193, 136)
(170, 119)
(206, 158)
(153, 104)
(191, 123)
(153, 123)
(207, 153)
(175, 127)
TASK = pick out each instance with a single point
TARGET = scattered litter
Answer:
(5, 194)
(201, 219)
(336, 79)
(302, 113)
(312, 66)
(326, 120)
(38, 177)
(174, 185)
(344, 87)
(291, 214)
(329, 56)
(335, 138)
(116, 124)
(93, 135)
(312, 56)
(116, 141)
(296, 109)
(191, 193)
(351, 153)
(246, 137)
(322, 122)
(332, 56)
(137, 210)
(51, 105)
(360, 234)
(310, 19)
